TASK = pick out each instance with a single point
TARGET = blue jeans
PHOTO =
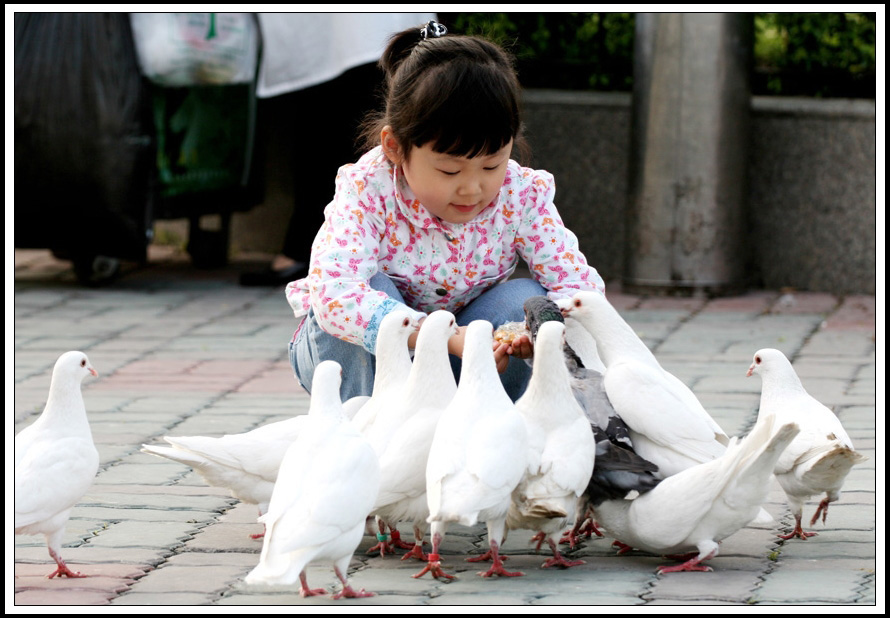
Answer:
(499, 304)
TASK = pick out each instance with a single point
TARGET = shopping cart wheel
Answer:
(96, 270)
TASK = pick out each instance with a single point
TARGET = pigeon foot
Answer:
(416, 552)
(690, 565)
(822, 508)
(64, 570)
(485, 557)
(561, 561)
(397, 541)
(349, 593)
(434, 568)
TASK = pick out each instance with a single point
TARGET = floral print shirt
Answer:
(374, 223)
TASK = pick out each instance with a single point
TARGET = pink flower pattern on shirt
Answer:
(374, 223)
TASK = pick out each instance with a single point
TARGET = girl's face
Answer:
(455, 189)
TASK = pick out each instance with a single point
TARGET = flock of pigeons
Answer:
(604, 438)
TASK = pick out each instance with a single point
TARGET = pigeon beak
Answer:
(750, 371)
(94, 372)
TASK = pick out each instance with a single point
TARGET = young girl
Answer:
(435, 216)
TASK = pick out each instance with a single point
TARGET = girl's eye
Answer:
(448, 173)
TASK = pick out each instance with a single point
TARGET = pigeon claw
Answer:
(485, 557)
(434, 568)
(349, 593)
(686, 566)
(498, 569)
(799, 533)
(397, 541)
(623, 548)
(561, 561)
(312, 592)
(822, 508)
(64, 570)
(540, 538)
(416, 552)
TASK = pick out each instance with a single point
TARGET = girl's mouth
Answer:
(464, 207)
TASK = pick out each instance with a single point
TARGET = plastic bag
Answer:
(194, 49)
(83, 154)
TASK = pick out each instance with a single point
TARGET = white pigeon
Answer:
(403, 433)
(478, 455)
(561, 447)
(693, 510)
(821, 456)
(244, 463)
(668, 425)
(326, 487)
(55, 459)
(392, 365)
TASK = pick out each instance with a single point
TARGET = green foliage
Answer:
(816, 54)
(560, 50)
(803, 54)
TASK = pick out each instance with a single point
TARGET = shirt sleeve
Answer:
(344, 258)
(550, 248)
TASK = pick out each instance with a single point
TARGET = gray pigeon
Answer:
(617, 470)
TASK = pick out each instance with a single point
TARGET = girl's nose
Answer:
(471, 186)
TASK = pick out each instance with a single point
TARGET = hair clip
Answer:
(433, 30)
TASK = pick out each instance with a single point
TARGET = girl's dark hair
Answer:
(458, 93)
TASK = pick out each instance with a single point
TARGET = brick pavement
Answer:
(187, 352)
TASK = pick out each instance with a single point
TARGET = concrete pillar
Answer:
(689, 140)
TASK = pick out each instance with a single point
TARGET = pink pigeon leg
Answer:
(558, 559)
(347, 592)
(306, 591)
(540, 538)
(62, 567)
(260, 534)
(497, 567)
(417, 549)
(623, 548)
(689, 565)
(397, 541)
(822, 508)
(434, 566)
(383, 545)
(798, 531)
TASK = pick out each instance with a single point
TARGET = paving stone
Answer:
(164, 598)
(816, 587)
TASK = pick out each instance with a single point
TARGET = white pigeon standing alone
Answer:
(561, 447)
(55, 459)
(478, 455)
(326, 487)
(821, 456)
(668, 425)
(693, 510)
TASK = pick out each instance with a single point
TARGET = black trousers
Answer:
(321, 124)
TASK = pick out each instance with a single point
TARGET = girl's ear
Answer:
(391, 147)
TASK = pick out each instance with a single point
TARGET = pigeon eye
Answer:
(577, 302)
(405, 323)
(757, 359)
(83, 362)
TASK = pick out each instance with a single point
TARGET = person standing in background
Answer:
(319, 71)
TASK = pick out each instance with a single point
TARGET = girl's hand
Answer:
(501, 356)
(521, 347)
